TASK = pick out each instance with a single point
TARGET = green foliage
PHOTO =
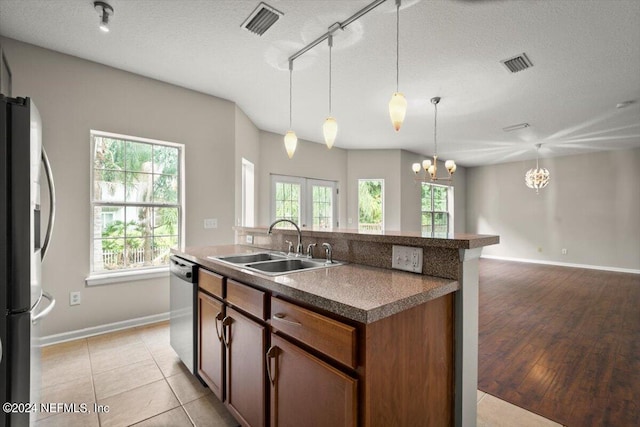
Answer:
(370, 202)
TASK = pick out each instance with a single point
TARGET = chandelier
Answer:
(539, 177)
(431, 169)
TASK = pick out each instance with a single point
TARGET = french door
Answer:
(310, 203)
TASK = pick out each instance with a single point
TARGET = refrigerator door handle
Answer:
(35, 319)
(52, 202)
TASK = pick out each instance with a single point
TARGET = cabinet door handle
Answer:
(218, 332)
(226, 330)
(272, 353)
(281, 317)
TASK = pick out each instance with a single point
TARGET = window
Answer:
(371, 205)
(304, 201)
(136, 201)
(437, 210)
(248, 181)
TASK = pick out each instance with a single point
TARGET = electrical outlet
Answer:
(564, 251)
(407, 258)
(211, 223)
(74, 298)
(248, 239)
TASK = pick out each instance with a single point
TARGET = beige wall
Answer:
(591, 207)
(311, 160)
(74, 96)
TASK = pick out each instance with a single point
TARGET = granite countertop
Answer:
(441, 240)
(360, 293)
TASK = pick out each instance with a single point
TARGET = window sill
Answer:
(127, 276)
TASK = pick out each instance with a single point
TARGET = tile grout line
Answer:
(164, 378)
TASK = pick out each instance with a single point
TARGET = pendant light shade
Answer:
(537, 177)
(330, 130)
(290, 143)
(397, 110)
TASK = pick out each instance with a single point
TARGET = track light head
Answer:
(104, 11)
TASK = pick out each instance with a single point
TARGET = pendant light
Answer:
(330, 126)
(398, 103)
(290, 138)
(539, 177)
(431, 169)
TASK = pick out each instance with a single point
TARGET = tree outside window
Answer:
(371, 205)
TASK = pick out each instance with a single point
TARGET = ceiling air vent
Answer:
(517, 63)
(261, 19)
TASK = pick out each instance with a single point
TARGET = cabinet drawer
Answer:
(211, 282)
(333, 338)
(246, 298)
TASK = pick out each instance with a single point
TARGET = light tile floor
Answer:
(138, 376)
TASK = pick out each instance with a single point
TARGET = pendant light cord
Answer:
(435, 129)
(330, 47)
(397, 45)
(290, 94)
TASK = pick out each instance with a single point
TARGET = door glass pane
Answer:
(322, 206)
(287, 203)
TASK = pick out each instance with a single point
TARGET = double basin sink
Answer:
(275, 263)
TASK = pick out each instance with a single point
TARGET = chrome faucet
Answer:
(310, 249)
(328, 252)
(299, 246)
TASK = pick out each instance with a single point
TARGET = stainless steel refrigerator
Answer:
(23, 245)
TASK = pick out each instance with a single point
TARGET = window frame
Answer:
(137, 273)
(448, 212)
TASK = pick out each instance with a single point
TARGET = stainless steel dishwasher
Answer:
(183, 292)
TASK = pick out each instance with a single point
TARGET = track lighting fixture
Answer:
(104, 11)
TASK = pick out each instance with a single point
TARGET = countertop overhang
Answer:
(357, 292)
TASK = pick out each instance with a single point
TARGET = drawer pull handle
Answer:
(281, 317)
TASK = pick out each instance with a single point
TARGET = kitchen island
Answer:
(355, 344)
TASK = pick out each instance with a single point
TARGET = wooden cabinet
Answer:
(210, 345)
(246, 386)
(321, 369)
(330, 337)
(305, 391)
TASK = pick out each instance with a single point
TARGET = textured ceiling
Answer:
(586, 57)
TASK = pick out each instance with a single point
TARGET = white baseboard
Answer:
(101, 329)
(564, 264)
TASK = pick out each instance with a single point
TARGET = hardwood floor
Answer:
(561, 342)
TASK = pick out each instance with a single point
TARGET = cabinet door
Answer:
(246, 376)
(210, 345)
(306, 391)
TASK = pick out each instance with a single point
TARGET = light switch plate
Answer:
(407, 258)
(211, 223)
